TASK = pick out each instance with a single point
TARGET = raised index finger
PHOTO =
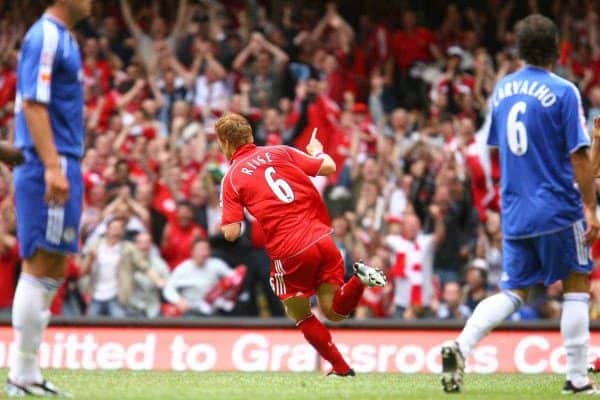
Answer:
(314, 134)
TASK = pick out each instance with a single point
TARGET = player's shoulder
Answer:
(228, 176)
(43, 27)
(35, 33)
(287, 151)
(44, 32)
(278, 149)
(509, 77)
(500, 85)
(276, 153)
(564, 85)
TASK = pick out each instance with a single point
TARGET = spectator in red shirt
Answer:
(96, 70)
(179, 235)
(378, 45)
(8, 83)
(9, 258)
(413, 43)
(338, 78)
(68, 300)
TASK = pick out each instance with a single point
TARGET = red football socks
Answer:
(347, 297)
(319, 337)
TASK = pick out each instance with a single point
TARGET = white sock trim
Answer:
(577, 296)
(49, 284)
(516, 300)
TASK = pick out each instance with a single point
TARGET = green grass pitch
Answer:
(123, 385)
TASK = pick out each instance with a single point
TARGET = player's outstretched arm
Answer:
(582, 169)
(596, 147)
(315, 149)
(328, 167)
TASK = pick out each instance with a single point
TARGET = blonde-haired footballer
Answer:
(273, 184)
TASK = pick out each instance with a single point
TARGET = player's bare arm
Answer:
(315, 149)
(38, 121)
(582, 168)
(10, 155)
(596, 147)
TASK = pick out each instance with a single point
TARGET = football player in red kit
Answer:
(273, 184)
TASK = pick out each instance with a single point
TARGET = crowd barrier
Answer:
(249, 344)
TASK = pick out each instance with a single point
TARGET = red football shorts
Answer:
(302, 274)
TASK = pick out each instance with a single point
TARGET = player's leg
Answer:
(294, 281)
(568, 259)
(488, 314)
(520, 268)
(326, 294)
(317, 334)
(41, 276)
(45, 236)
(574, 328)
(336, 299)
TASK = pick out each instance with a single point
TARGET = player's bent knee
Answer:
(333, 316)
(576, 283)
(46, 264)
(522, 294)
(297, 308)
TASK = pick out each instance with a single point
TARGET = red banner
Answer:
(206, 349)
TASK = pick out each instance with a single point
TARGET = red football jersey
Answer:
(272, 183)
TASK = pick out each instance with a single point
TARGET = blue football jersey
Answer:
(537, 122)
(49, 72)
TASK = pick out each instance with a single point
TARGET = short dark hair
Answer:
(537, 40)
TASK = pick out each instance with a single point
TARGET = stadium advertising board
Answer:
(203, 349)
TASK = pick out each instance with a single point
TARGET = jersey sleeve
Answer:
(233, 211)
(36, 63)
(574, 120)
(310, 165)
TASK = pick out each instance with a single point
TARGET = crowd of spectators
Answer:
(399, 93)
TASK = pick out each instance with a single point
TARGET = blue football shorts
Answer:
(55, 229)
(545, 258)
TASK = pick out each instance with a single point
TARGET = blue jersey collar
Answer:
(55, 20)
(535, 68)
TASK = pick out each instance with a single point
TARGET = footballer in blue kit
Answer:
(548, 203)
(537, 124)
(49, 132)
(49, 74)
